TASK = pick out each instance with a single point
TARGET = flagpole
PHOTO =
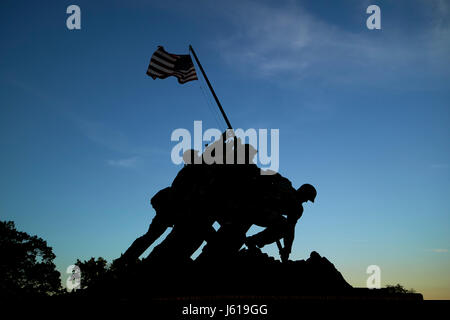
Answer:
(280, 248)
(211, 88)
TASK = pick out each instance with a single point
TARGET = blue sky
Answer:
(363, 115)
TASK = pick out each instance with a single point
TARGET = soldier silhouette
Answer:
(165, 217)
(268, 200)
(176, 207)
(277, 226)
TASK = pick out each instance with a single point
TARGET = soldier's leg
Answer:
(167, 249)
(182, 241)
(199, 235)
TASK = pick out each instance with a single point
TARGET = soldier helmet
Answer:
(307, 192)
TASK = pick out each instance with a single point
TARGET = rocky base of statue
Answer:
(249, 273)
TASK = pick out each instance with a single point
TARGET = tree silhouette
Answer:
(92, 271)
(26, 266)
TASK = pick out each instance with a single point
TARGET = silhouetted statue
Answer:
(227, 188)
(222, 185)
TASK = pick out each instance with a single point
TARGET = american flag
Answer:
(164, 64)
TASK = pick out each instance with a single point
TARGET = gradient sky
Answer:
(363, 115)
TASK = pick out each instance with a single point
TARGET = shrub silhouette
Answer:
(398, 288)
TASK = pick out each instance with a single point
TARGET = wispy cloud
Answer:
(124, 163)
(440, 250)
(288, 42)
(103, 135)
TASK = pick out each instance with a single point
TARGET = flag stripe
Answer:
(160, 68)
(153, 72)
(188, 79)
(165, 55)
(156, 64)
(170, 65)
